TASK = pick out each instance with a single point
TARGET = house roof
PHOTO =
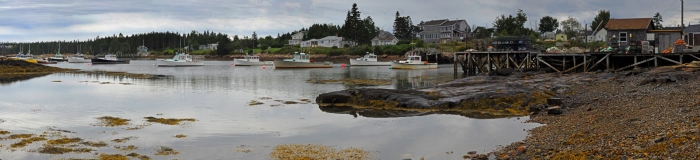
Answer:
(628, 24)
(692, 28)
(385, 36)
(449, 23)
(331, 38)
(435, 22)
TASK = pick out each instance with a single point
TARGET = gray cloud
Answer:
(45, 20)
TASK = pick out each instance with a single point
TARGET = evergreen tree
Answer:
(548, 24)
(601, 19)
(657, 21)
(224, 46)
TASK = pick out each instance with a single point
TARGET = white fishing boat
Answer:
(78, 58)
(368, 60)
(57, 57)
(249, 60)
(180, 60)
(413, 62)
(301, 60)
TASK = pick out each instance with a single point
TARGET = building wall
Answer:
(637, 35)
(666, 39)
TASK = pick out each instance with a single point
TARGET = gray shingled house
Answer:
(444, 30)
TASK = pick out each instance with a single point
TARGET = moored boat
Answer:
(109, 59)
(78, 58)
(180, 60)
(26, 57)
(413, 62)
(249, 60)
(58, 57)
(368, 60)
(301, 60)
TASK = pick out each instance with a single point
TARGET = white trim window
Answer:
(623, 37)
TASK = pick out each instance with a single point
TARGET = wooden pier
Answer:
(473, 63)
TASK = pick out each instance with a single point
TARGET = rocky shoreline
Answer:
(643, 113)
(17, 70)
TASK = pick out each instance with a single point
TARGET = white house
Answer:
(297, 38)
(599, 36)
(384, 38)
(330, 41)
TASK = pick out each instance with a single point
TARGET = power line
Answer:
(669, 7)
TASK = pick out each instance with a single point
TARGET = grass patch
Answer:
(310, 151)
(94, 144)
(120, 140)
(25, 142)
(166, 151)
(113, 157)
(128, 148)
(62, 141)
(108, 121)
(169, 121)
(62, 150)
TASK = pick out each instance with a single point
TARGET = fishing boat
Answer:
(368, 60)
(301, 60)
(78, 58)
(26, 57)
(109, 59)
(58, 57)
(180, 60)
(413, 62)
(249, 60)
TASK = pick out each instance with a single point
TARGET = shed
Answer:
(624, 32)
(665, 38)
(561, 37)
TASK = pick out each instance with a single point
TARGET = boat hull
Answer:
(27, 60)
(355, 62)
(104, 61)
(74, 60)
(243, 62)
(162, 63)
(57, 59)
(396, 65)
(287, 64)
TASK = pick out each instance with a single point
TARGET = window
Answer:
(623, 37)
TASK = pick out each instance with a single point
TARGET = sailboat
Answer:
(58, 57)
(77, 58)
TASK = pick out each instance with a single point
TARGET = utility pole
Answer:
(682, 24)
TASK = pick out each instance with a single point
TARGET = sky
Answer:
(51, 20)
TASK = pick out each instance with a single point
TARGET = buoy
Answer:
(231, 64)
(342, 65)
(264, 67)
(89, 64)
(391, 67)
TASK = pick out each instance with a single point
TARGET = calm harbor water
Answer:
(217, 95)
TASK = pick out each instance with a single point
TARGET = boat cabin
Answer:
(251, 58)
(182, 56)
(78, 56)
(300, 57)
(110, 57)
(413, 59)
(368, 57)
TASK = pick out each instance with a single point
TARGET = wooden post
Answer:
(585, 64)
(574, 57)
(454, 60)
(470, 65)
(488, 60)
(563, 63)
(681, 61)
(507, 62)
(607, 62)
(656, 62)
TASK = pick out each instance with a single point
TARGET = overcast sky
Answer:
(48, 20)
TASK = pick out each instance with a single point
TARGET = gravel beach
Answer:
(638, 114)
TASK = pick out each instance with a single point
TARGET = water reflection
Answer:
(8, 79)
(218, 95)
